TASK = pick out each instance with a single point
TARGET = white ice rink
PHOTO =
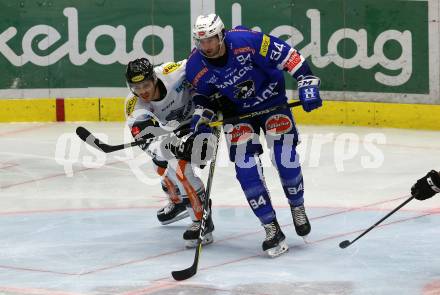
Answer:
(75, 221)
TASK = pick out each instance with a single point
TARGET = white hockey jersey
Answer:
(175, 109)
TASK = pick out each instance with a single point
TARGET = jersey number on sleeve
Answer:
(275, 55)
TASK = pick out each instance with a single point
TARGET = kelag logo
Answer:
(71, 47)
(362, 58)
(351, 49)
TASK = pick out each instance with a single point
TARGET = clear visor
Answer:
(208, 43)
(142, 87)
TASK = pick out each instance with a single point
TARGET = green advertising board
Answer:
(377, 50)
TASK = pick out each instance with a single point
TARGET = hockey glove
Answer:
(197, 149)
(142, 130)
(200, 120)
(308, 89)
(427, 186)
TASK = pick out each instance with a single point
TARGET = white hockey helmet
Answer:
(207, 26)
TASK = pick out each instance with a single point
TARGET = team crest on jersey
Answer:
(241, 133)
(278, 124)
(130, 104)
(244, 89)
(171, 68)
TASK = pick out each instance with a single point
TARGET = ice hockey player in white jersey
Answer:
(160, 102)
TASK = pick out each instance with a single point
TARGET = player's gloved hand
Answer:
(427, 186)
(143, 130)
(308, 89)
(195, 148)
(200, 120)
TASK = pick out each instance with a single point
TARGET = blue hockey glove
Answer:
(308, 89)
(200, 120)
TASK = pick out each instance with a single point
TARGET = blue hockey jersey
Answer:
(252, 77)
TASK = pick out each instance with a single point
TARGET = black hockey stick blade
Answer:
(83, 133)
(91, 140)
(184, 274)
(346, 243)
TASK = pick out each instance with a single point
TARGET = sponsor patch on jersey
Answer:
(242, 50)
(241, 133)
(130, 104)
(137, 78)
(264, 45)
(293, 61)
(170, 68)
(278, 124)
(199, 75)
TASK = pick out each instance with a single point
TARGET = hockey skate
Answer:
(191, 234)
(175, 210)
(275, 242)
(172, 213)
(300, 221)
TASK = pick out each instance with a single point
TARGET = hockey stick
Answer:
(346, 243)
(255, 114)
(88, 137)
(180, 275)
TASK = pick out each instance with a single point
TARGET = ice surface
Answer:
(76, 221)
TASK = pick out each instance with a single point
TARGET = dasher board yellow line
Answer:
(373, 114)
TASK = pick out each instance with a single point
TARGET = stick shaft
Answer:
(385, 217)
(88, 137)
(186, 273)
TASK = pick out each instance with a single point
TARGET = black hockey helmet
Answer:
(139, 70)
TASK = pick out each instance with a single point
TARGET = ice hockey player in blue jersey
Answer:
(247, 68)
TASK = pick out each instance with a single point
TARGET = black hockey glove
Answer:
(142, 130)
(427, 186)
(195, 148)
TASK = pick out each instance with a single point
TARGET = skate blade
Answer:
(278, 250)
(306, 239)
(207, 239)
(184, 214)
